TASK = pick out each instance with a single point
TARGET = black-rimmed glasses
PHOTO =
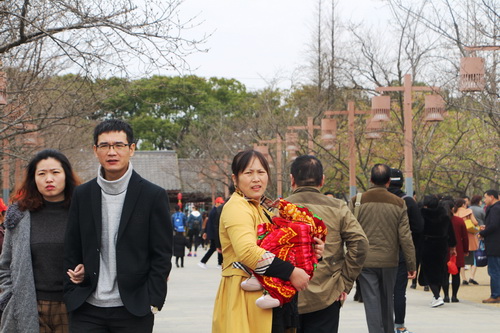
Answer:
(116, 146)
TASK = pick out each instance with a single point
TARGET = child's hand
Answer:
(319, 247)
(342, 296)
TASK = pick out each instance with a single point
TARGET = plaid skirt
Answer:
(53, 317)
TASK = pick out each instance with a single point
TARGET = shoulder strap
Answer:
(357, 205)
(406, 196)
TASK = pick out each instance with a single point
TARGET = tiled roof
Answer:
(197, 178)
(159, 167)
(189, 176)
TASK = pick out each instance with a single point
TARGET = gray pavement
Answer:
(192, 290)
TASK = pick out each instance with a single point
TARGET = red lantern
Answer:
(179, 200)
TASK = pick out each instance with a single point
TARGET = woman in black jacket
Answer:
(439, 238)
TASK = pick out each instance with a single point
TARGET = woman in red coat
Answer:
(462, 249)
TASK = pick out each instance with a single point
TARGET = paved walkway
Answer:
(191, 294)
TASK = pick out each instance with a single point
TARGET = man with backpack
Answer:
(179, 220)
(194, 222)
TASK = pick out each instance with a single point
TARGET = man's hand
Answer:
(412, 274)
(77, 275)
(319, 247)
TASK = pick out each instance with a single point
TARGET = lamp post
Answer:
(351, 113)
(407, 90)
(310, 133)
(263, 148)
(5, 143)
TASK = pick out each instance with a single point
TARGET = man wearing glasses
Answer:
(118, 229)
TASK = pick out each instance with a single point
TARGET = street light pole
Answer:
(351, 112)
(408, 134)
(352, 149)
(279, 163)
(5, 142)
(310, 133)
(407, 90)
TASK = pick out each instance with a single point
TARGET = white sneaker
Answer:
(202, 265)
(436, 302)
(267, 302)
(251, 284)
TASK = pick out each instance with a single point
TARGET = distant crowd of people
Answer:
(114, 238)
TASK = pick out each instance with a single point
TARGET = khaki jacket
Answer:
(338, 269)
(384, 219)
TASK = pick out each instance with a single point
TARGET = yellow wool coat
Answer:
(235, 309)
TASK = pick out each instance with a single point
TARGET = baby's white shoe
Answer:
(251, 284)
(267, 302)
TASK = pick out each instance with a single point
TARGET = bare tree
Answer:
(459, 25)
(41, 40)
(90, 34)
(426, 39)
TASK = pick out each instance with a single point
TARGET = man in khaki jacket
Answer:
(319, 305)
(384, 219)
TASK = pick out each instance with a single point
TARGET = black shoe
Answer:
(465, 283)
(473, 281)
(413, 286)
(454, 300)
(446, 299)
(426, 288)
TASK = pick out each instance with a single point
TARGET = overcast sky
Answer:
(256, 41)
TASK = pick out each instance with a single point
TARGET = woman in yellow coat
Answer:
(235, 309)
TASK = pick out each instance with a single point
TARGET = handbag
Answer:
(471, 228)
(452, 265)
(480, 255)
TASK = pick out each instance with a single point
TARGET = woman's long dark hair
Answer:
(457, 204)
(27, 195)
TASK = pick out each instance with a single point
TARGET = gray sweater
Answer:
(113, 196)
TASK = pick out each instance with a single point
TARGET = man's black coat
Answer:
(143, 245)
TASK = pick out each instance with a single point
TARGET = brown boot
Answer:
(492, 300)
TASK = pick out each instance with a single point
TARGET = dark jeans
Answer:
(322, 321)
(92, 319)
(400, 292)
(211, 251)
(494, 273)
(194, 238)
